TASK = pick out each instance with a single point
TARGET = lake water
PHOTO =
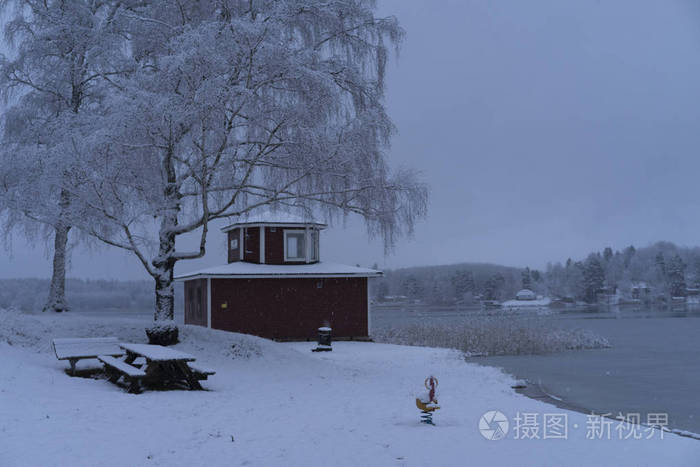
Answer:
(653, 365)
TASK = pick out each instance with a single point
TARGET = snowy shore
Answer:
(279, 404)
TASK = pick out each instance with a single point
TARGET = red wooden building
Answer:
(275, 285)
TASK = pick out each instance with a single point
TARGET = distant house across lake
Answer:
(526, 294)
(640, 290)
(526, 298)
(275, 285)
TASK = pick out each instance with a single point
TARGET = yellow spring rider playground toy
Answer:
(427, 402)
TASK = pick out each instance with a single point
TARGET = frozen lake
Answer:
(653, 366)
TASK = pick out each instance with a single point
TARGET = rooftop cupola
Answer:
(274, 238)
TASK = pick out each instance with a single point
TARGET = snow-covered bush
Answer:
(494, 335)
(226, 344)
(36, 330)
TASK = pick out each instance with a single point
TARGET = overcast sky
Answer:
(546, 130)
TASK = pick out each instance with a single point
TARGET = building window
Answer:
(234, 243)
(301, 245)
(294, 245)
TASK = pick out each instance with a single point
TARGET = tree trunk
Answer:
(165, 294)
(57, 294)
(164, 331)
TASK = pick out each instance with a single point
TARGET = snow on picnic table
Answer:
(280, 404)
(156, 352)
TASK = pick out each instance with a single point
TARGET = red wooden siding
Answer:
(196, 302)
(251, 244)
(274, 245)
(234, 254)
(292, 308)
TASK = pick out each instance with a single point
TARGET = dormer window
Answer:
(294, 245)
(301, 245)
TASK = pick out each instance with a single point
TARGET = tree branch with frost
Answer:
(233, 111)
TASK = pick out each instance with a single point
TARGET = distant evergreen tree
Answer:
(660, 263)
(526, 279)
(489, 289)
(536, 275)
(628, 253)
(676, 276)
(493, 286)
(661, 277)
(470, 285)
(593, 278)
(607, 253)
(462, 282)
(500, 280)
(697, 272)
(576, 280)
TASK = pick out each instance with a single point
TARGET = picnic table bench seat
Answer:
(74, 349)
(200, 373)
(116, 369)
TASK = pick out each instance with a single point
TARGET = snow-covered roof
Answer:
(526, 294)
(242, 269)
(274, 218)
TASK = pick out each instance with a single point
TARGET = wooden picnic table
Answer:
(163, 366)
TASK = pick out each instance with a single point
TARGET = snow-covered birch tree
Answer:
(63, 55)
(237, 105)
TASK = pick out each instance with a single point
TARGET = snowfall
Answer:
(279, 404)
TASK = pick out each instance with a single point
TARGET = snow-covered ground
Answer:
(279, 404)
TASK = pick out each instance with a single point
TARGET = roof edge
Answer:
(186, 277)
(272, 224)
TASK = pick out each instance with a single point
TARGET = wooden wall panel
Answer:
(196, 302)
(274, 245)
(292, 308)
(251, 244)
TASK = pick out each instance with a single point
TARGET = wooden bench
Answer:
(75, 349)
(199, 372)
(116, 369)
